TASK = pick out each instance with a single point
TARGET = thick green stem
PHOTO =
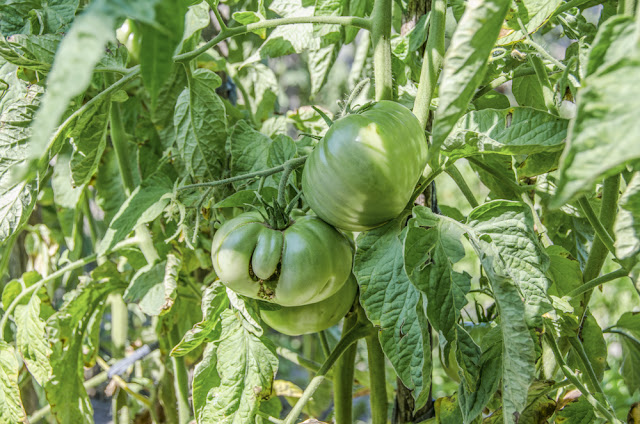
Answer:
(432, 62)
(381, 39)
(119, 141)
(627, 7)
(351, 337)
(602, 226)
(293, 163)
(587, 368)
(324, 343)
(573, 378)
(457, 177)
(343, 378)
(181, 383)
(271, 23)
(378, 382)
(592, 284)
(119, 325)
(284, 179)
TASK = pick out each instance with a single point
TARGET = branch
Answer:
(291, 163)
(381, 38)
(457, 177)
(592, 284)
(363, 23)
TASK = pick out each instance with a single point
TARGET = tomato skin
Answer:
(305, 263)
(364, 170)
(314, 317)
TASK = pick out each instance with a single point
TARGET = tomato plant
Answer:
(366, 167)
(180, 179)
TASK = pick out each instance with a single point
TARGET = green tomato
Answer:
(129, 35)
(477, 332)
(305, 263)
(315, 317)
(364, 170)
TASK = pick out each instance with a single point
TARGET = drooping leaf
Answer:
(154, 286)
(601, 137)
(235, 375)
(508, 242)
(31, 340)
(201, 126)
(18, 104)
(89, 139)
(464, 65)
(394, 304)
(627, 225)
(214, 302)
(533, 13)
(11, 410)
(144, 205)
(65, 390)
(159, 42)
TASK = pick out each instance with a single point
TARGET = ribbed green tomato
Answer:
(305, 263)
(314, 317)
(364, 170)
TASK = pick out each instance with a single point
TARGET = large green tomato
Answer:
(305, 263)
(315, 317)
(364, 170)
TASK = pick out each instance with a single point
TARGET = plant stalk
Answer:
(292, 163)
(377, 377)
(457, 177)
(343, 378)
(432, 62)
(363, 23)
(381, 40)
(351, 337)
(592, 284)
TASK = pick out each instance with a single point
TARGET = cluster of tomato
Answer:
(360, 175)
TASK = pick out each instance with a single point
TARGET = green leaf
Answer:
(320, 63)
(89, 139)
(249, 151)
(329, 34)
(627, 225)
(234, 376)
(154, 286)
(513, 251)
(37, 16)
(201, 126)
(579, 411)
(11, 410)
(30, 51)
(356, 8)
(594, 345)
(528, 92)
(246, 17)
(394, 304)
(109, 190)
(79, 51)
(513, 131)
(447, 410)
(144, 205)
(464, 65)
(65, 391)
(214, 302)
(534, 13)
(429, 256)
(31, 340)
(540, 407)
(18, 104)
(602, 137)
(159, 42)
(565, 273)
(472, 402)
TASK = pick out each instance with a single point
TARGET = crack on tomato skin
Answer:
(267, 290)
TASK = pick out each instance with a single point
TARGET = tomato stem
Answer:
(592, 284)
(377, 377)
(363, 23)
(381, 39)
(432, 61)
(351, 337)
(457, 177)
(293, 163)
(343, 378)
